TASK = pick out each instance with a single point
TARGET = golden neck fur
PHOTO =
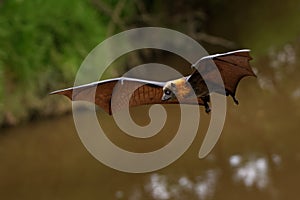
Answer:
(180, 87)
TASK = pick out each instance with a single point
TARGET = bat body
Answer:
(232, 67)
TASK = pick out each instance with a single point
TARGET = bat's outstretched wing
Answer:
(232, 66)
(135, 91)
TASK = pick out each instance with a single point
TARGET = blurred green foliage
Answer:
(42, 44)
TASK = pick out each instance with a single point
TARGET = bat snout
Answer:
(165, 97)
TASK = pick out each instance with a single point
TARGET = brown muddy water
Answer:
(257, 156)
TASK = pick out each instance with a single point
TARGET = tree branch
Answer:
(103, 7)
(115, 16)
(215, 40)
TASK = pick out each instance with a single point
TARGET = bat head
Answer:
(169, 91)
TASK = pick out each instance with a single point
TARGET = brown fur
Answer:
(182, 89)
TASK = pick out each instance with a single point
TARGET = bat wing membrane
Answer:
(135, 91)
(232, 66)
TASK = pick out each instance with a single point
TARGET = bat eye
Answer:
(167, 92)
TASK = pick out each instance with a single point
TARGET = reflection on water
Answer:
(250, 172)
(284, 57)
(253, 173)
(281, 63)
(203, 187)
(158, 187)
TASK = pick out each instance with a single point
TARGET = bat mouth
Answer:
(165, 98)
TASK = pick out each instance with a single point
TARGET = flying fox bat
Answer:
(232, 66)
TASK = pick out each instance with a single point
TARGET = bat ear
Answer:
(173, 85)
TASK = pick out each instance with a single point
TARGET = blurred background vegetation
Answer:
(42, 44)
